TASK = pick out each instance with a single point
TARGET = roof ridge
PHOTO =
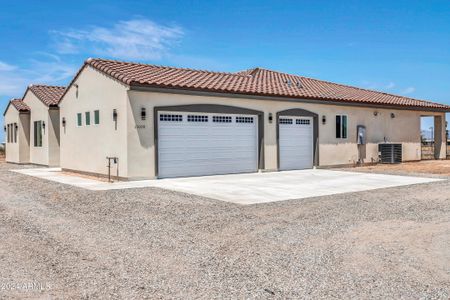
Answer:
(50, 95)
(47, 86)
(157, 66)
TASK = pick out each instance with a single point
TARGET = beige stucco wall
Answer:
(53, 137)
(85, 148)
(48, 154)
(404, 128)
(18, 152)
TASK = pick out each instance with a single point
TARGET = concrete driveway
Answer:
(249, 188)
(277, 186)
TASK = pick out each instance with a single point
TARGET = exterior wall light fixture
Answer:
(270, 117)
(76, 91)
(392, 115)
(324, 119)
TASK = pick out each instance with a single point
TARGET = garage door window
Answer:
(302, 122)
(197, 118)
(285, 121)
(222, 119)
(341, 127)
(171, 118)
(244, 120)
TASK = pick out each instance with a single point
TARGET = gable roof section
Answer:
(258, 81)
(49, 95)
(17, 104)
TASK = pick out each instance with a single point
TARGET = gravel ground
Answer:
(432, 168)
(152, 243)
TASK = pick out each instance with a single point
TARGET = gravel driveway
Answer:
(151, 243)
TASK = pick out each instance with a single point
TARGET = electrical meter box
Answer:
(361, 134)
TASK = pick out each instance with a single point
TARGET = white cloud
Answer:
(134, 39)
(369, 85)
(409, 90)
(139, 39)
(11, 85)
(378, 86)
(14, 79)
(6, 67)
(390, 85)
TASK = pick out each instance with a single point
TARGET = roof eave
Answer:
(7, 107)
(178, 90)
(87, 63)
(21, 111)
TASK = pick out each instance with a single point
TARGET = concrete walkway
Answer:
(249, 188)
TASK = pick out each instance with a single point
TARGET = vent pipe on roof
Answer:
(297, 83)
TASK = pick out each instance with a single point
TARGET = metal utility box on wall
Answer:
(361, 134)
(390, 153)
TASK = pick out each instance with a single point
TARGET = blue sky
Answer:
(400, 47)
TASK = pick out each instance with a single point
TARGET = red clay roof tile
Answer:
(20, 105)
(17, 104)
(49, 95)
(256, 81)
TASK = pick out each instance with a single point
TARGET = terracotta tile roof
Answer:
(49, 95)
(256, 81)
(20, 105)
(17, 104)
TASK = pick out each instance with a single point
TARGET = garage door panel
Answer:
(295, 143)
(205, 148)
(199, 169)
(200, 145)
(201, 163)
(245, 156)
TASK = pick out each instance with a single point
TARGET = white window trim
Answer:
(86, 113)
(93, 118)
(342, 138)
(81, 120)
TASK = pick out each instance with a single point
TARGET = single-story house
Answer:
(35, 122)
(156, 122)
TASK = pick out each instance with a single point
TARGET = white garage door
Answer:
(296, 143)
(192, 144)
